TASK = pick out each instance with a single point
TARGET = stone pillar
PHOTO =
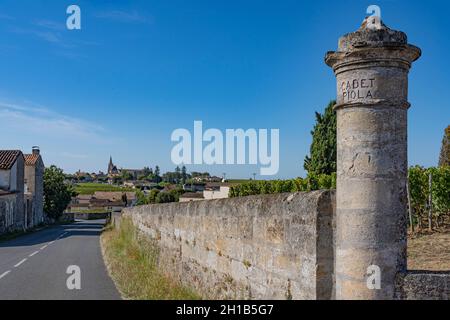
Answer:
(371, 67)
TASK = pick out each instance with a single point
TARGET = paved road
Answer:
(34, 266)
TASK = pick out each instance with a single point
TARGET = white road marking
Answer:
(16, 265)
(51, 242)
(34, 253)
(4, 274)
(42, 248)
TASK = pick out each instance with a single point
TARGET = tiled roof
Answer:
(8, 158)
(30, 159)
(114, 195)
(212, 185)
(192, 195)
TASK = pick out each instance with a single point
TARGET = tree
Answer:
(322, 158)
(165, 197)
(146, 171)
(156, 176)
(184, 174)
(57, 194)
(152, 195)
(141, 198)
(126, 176)
(444, 158)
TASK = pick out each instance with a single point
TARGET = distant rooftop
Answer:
(8, 158)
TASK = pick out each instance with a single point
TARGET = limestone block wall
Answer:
(423, 285)
(259, 247)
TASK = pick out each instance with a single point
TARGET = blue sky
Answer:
(140, 69)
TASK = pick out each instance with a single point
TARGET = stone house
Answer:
(191, 196)
(12, 208)
(217, 190)
(34, 188)
(21, 190)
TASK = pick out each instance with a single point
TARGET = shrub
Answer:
(312, 182)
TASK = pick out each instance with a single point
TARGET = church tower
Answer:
(110, 165)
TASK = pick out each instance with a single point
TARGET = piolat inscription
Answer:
(357, 89)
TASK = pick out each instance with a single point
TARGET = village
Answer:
(95, 194)
(100, 193)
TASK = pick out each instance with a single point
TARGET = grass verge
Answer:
(132, 262)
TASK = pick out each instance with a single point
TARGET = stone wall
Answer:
(34, 176)
(20, 198)
(7, 212)
(423, 285)
(259, 247)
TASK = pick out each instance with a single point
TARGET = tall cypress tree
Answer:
(444, 158)
(322, 158)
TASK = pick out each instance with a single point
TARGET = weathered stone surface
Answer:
(259, 247)
(371, 68)
(423, 285)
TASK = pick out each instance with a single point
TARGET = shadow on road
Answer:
(88, 228)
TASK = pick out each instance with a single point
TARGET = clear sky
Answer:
(140, 69)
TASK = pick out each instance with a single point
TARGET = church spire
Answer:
(110, 165)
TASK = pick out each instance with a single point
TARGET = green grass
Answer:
(133, 265)
(91, 188)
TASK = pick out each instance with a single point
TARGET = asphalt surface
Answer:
(35, 266)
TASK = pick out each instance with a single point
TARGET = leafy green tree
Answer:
(322, 158)
(146, 171)
(165, 197)
(444, 158)
(153, 195)
(57, 194)
(141, 198)
(126, 176)
(184, 175)
(156, 175)
(117, 180)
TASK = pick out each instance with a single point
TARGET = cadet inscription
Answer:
(357, 89)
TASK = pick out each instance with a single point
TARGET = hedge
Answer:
(418, 188)
(312, 182)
